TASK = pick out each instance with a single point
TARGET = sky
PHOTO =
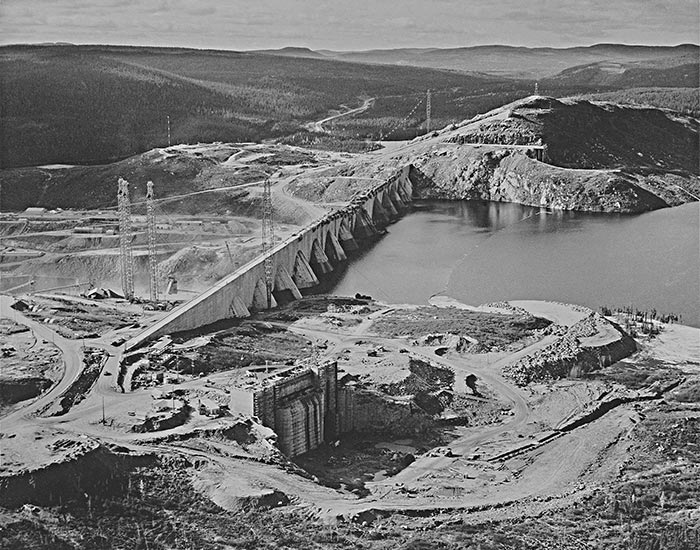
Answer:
(350, 24)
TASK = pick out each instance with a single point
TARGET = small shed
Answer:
(35, 211)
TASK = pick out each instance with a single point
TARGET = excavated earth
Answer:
(592, 156)
(592, 456)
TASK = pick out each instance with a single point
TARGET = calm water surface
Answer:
(480, 252)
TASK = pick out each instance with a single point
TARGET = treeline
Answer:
(682, 100)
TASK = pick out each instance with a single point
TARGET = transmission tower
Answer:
(537, 88)
(427, 111)
(151, 228)
(126, 258)
(268, 239)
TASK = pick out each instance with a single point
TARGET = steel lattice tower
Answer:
(125, 253)
(427, 111)
(151, 227)
(268, 239)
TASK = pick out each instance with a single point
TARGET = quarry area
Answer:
(246, 408)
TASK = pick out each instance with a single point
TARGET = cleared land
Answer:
(508, 472)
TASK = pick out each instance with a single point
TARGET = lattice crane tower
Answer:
(126, 257)
(268, 239)
(428, 108)
(151, 228)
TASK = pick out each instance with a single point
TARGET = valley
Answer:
(239, 400)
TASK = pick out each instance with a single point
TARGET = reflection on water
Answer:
(479, 251)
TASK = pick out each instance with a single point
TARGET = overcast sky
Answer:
(349, 24)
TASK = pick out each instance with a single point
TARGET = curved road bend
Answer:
(72, 356)
(318, 126)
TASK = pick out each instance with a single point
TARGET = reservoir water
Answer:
(478, 252)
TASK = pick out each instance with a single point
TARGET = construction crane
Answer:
(126, 258)
(428, 107)
(151, 229)
(268, 239)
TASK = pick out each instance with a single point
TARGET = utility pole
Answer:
(428, 107)
(169, 142)
(151, 228)
(268, 239)
(104, 420)
(125, 253)
(230, 256)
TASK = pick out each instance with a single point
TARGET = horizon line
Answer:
(319, 50)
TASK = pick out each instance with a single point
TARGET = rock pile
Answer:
(567, 356)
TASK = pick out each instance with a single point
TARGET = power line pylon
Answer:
(126, 258)
(152, 237)
(268, 239)
(428, 107)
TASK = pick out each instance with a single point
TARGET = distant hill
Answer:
(516, 62)
(682, 100)
(292, 51)
(671, 72)
(97, 104)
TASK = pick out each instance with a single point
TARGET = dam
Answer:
(296, 263)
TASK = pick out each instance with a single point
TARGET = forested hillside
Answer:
(682, 100)
(96, 104)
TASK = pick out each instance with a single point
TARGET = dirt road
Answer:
(71, 351)
(318, 126)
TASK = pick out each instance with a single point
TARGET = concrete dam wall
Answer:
(297, 262)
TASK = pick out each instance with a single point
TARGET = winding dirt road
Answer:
(318, 126)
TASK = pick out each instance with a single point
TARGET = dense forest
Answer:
(98, 104)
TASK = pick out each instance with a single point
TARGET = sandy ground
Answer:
(677, 344)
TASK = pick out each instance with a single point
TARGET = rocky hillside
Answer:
(564, 154)
(580, 134)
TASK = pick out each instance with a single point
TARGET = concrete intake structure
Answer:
(298, 262)
(301, 408)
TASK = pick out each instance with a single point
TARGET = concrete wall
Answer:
(307, 408)
(297, 262)
(300, 408)
(365, 410)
